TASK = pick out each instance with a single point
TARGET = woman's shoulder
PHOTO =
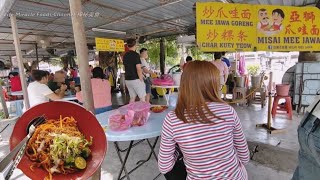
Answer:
(217, 106)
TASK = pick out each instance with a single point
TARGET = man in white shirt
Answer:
(146, 72)
(39, 92)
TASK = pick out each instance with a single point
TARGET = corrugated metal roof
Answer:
(153, 18)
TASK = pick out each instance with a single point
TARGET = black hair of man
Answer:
(217, 55)
(279, 11)
(223, 53)
(189, 58)
(131, 43)
(97, 72)
(39, 74)
(262, 10)
(143, 50)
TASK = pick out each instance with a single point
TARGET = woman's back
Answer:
(212, 150)
(101, 90)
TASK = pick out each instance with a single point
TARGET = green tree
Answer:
(153, 46)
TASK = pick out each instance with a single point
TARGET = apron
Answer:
(309, 153)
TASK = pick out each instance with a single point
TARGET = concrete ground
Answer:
(275, 156)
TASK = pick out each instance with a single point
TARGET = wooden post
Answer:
(20, 60)
(83, 59)
(82, 53)
(269, 100)
(162, 56)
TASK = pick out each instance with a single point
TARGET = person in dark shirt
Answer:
(133, 72)
(58, 80)
(225, 59)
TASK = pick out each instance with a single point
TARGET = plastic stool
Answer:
(287, 107)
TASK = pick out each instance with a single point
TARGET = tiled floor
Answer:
(250, 116)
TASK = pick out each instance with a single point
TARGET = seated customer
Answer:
(206, 130)
(58, 79)
(101, 90)
(15, 81)
(39, 92)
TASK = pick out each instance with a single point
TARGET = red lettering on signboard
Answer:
(241, 36)
(303, 30)
(208, 12)
(294, 16)
(221, 13)
(234, 13)
(246, 14)
(309, 16)
(227, 35)
(315, 30)
(289, 30)
(212, 35)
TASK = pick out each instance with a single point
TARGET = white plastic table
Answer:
(16, 93)
(69, 98)
(164, 91)
(152, 129)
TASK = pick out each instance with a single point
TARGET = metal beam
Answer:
(130, 14)
(5, 7)
(47, 5)
(160, 22)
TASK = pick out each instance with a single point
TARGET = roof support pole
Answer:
(162, 56)
(82, 53)
(20, 60)
(37, 55)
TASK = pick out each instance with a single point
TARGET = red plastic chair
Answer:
(278, 107)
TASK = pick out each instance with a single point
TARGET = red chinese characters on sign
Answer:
(208, 12)
(221, 13)
(241, 36)
(315, 30)
(303, 30)
(234, 13)
(212, 35)
(295, 17)
(289, 30)
(309, 16)
(246, 14)
(227, 35)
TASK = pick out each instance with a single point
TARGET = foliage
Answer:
(171, 48)
(199, 55)
(253, 69)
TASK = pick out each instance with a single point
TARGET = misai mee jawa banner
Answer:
(244, 27)
(103, 44)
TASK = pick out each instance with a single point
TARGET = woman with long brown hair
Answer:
(207, 131)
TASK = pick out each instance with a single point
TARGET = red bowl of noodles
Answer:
(87, 125)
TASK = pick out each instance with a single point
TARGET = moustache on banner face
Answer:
(265, 18)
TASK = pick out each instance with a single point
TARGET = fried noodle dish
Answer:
(59, 147)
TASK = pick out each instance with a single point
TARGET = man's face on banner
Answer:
(263, 16)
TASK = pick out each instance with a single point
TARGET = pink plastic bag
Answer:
(164, 80)
(141, 112)
(121, 120)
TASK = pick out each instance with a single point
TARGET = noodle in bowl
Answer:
(86, 126)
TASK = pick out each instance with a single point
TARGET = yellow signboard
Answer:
(225, 27)
(282, 28)
(103, 44)
(244, 27)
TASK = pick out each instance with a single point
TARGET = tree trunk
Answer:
(162, 56)
(106, 59)
(308, 56)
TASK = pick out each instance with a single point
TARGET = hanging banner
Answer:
(283, 28)
(225, 27)
(103, 44)
(244, 27)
